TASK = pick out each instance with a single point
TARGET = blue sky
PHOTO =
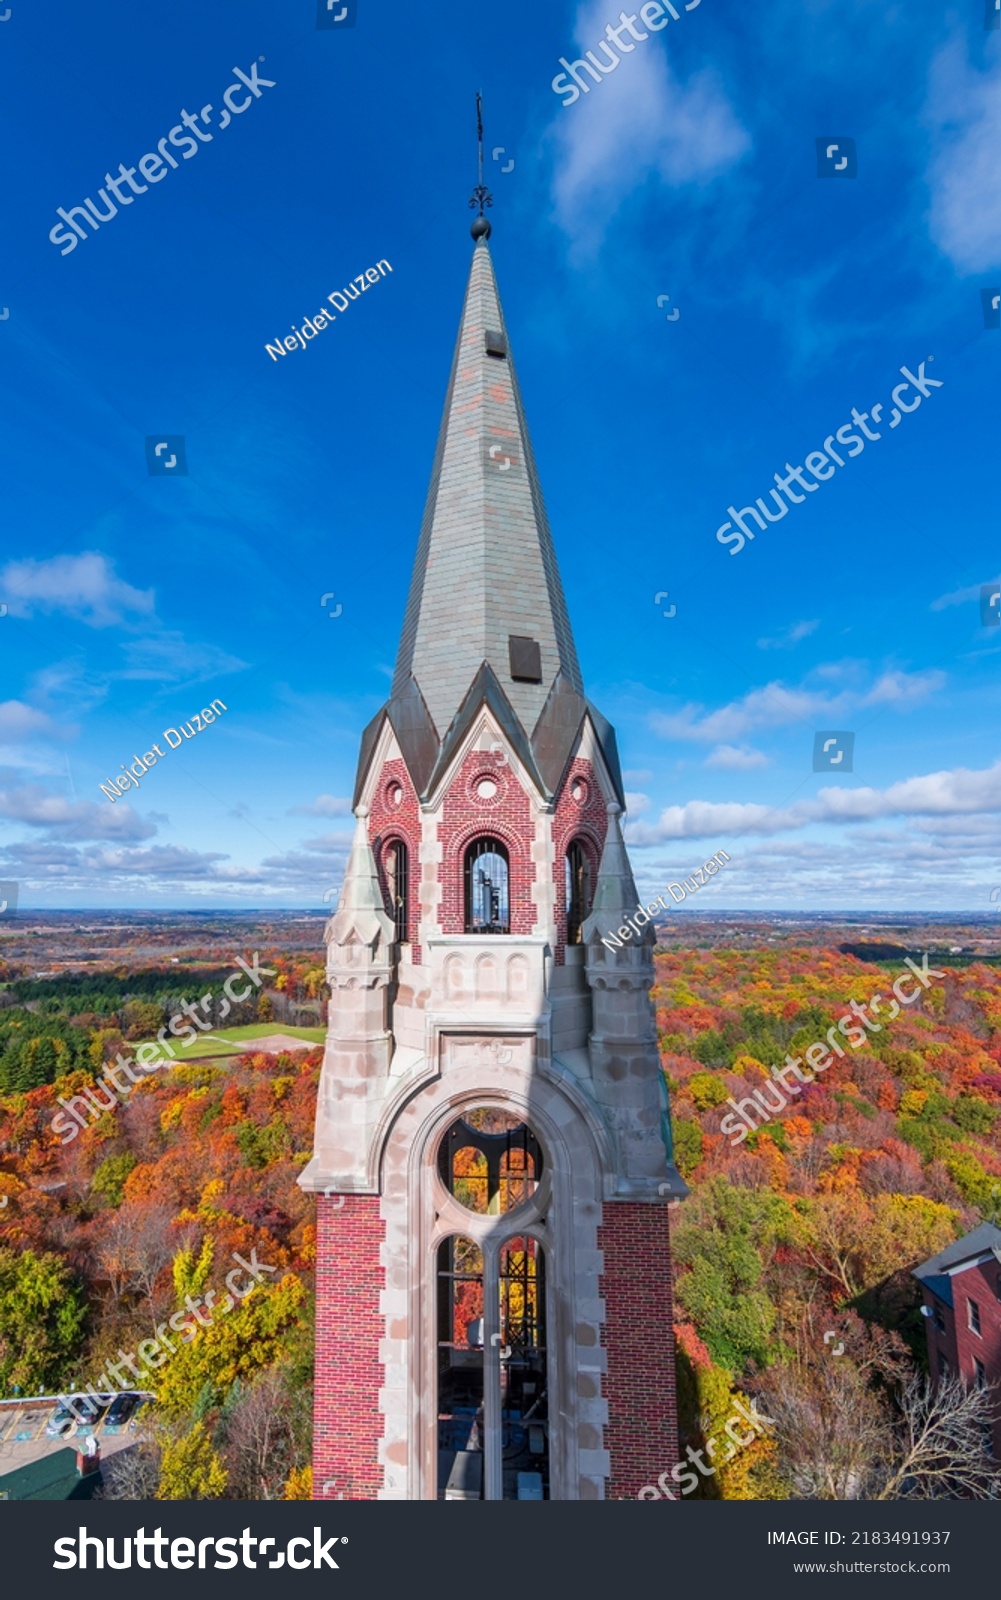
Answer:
(689, 171)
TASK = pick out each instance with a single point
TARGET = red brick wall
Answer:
(386, 822)
(464, 816)
(641, 1434)
(959, 1343)
(347, 1425)
(571, 820)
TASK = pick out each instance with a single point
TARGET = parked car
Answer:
(84, 1409)
(122, 1408)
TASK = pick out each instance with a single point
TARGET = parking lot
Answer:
(23, 1438)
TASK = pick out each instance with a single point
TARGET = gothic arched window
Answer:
(396, 870)
(488, 907)
(492, 1411)
(578, 889)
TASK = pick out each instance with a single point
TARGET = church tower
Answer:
(492, 1162)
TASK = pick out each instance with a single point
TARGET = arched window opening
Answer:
(460, 1368)
(486, 885)
(490, 1162)
(492, 1417)
(460, 1283)
(396, 871)
(578, 890)
(524, 1381)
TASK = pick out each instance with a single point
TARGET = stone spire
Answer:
(485, 569)
(486, 619)
(627, 1078)
(615, 896)
(361, 915)
(359, 1042)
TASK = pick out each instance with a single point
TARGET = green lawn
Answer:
(234, 1041)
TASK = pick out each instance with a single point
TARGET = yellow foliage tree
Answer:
(103, 1044)
(750, 1067)
(191, 1276)
(299, 1485)
(170, 1116)
(708, 1401)
(238, 1343)
(190, 1468)
(858, 1241)
(913, 1102)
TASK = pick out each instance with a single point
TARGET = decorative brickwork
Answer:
(390, 819)
(347, 1422)
(587, 821)
(641, 1435)
(465, 816)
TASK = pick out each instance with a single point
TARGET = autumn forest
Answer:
(795, 1242)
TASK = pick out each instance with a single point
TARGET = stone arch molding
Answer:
(500, 1054)
(564, 1215)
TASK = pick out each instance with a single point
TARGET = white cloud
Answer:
(639, 121)
(964, 111)
(101, 868)
(82, 819)
(776, 706)
(957, 597)
(704, 819)
(960, 792)
(320, 880)
(169, 658)
(770, 707)
(903, 688)
(329, 844)
(636, 804)
(733, 758)
(83, 586)
(68, 683)
(792, 636)
(18, 721)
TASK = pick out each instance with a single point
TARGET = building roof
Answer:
(51, 1477)
(938, 1271)
(486, 594)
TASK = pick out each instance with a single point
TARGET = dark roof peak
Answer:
(982, 1241)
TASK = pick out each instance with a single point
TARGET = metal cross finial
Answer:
(481, 194)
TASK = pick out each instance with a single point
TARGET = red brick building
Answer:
(493, 1158)
(962, 1297)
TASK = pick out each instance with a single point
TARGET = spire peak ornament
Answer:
(481, 195)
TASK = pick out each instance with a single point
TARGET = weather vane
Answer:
(481, 195)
